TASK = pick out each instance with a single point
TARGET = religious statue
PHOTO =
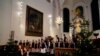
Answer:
(77, 21)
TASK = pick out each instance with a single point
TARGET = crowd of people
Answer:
(46, 45)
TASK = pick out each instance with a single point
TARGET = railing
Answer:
(65, 51)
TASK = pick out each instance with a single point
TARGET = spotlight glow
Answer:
(49, 15)
(19, 13)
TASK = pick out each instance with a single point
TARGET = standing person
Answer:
(65, 38)
(39, 45)
(43, 46)
(39, 42)
(51, 47)
(20, 43)
(24, 45)
(33, 46)
(66, 44)
(27, 44)
(56, 44)
(58, 38)
(61, 43)
(36, 46)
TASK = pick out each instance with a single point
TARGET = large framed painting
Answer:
(34, 22)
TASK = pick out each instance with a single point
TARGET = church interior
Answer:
(49, 27)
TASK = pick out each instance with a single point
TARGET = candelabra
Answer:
(59, 21)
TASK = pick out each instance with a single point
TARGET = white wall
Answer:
(9, 20)
(5, 17)
(40, 5)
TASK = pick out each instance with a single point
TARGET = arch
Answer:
(80, 4)
(66, 20)
(80, 10)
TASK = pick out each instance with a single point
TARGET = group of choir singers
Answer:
(45, 45)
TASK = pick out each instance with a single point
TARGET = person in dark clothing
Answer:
(24, 43)
(57, 38)
(25, 51)
(66, 44)
(65, 38)
(15, 42)
(33, 44)
(43, 45)
(51, 45)
(61, 43)
(27, 43)
(72, 45)
(20, 43)
(39, 46)
(36, 45)
(75, 41)
(56, 44)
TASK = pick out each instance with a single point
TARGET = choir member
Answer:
(56, 44)
(24, 43)
(51, 47)
(65, 38)
(75, 40)
(43, 46)
(20, 42)
(39, 42)
(16, 42)
(61, 43)
(33, 44)
(27, 44)
(20, 50)
(36, 45)
(66, 44)
(57, 38)
(25, 51)
(71, 45)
